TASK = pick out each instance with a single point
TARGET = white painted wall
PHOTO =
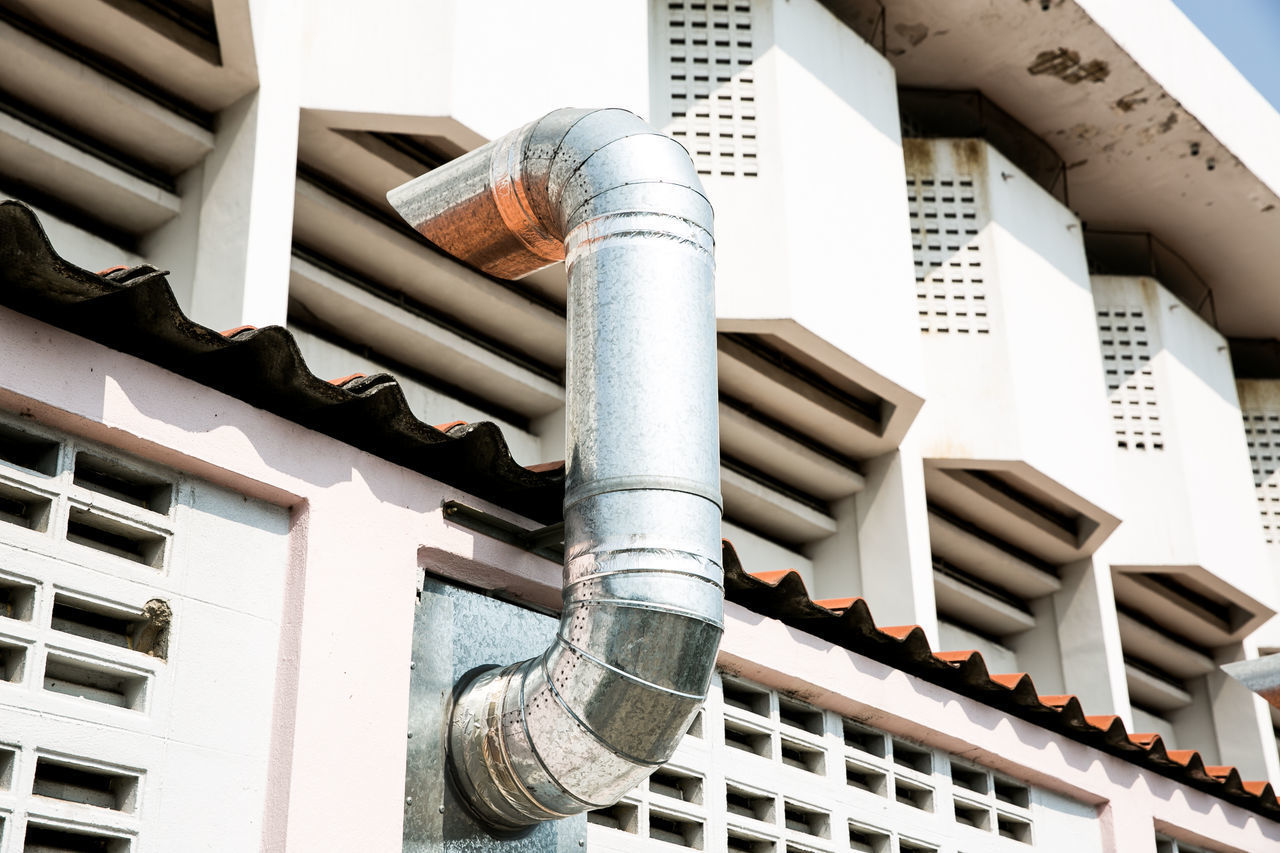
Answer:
(1031, 388)
(1193, 503)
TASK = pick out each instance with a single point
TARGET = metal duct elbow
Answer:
(577, 727)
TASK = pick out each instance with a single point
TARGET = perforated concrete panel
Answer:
(951, 274)
(705, 55)
(1134, 405)
(1262, 431)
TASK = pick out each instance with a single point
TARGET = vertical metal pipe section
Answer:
(583, 723)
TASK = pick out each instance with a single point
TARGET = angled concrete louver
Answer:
(606, 704)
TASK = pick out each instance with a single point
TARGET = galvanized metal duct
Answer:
(579, 726)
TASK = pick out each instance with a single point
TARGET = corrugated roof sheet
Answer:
(133, 310)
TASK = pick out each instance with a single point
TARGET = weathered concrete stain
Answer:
(1169, 121)
(1126, 103)
(917, 155)
(913, 33)
(1065, 64)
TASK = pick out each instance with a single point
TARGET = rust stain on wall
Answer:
(1065, 64)
(1126, 103)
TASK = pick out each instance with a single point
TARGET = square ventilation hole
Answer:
(973, 814)
(675, 829)
(30, 452)
(17, 599)
(864, 839)
(24, 508)
(8, 757)
(864, 740)
(72, 782)
(95, 682)
(800, 715)
(913, 794)
(685, 787)
(624, 817)
(906, 755)
(110, 478)
(1012, 793)
(746, 698)
(745, 803)
(867, 778)
(51, 839)
(806, 820)
(740, 736)
(803, 756)
(1016, 828)
(13, 661)
(115, 536)
(145, 632)
(741, 841)
(970, 779)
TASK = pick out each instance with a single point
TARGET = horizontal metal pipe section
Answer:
(578, 726)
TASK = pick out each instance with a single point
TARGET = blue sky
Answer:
(1248, 33)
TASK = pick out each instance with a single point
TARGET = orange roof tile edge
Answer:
(848, 623)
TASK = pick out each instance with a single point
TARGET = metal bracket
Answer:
(546, 542)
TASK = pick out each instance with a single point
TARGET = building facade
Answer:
(996, 365)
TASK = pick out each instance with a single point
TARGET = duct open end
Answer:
(606, 704)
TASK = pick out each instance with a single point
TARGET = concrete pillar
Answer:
(1241, 720)
(242, 211)
(1088, 636)
(893, 541)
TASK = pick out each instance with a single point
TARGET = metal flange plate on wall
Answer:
(455, 631)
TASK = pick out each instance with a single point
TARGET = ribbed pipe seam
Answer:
(578, 726)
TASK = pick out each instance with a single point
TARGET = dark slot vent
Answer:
(1012, 793)
(621, 816)
(115, 537)
(972, 815)
(6, 772)
(146, 632)
(863, 740)
(46, 839)
(971, 780)
(28, 451)
(906, 755)
(13, 662)
(676, 785)
(746, 699)
(675, 829)
(866, 778)
(803, 756)
(911, 794)
(108, 478)
(808, 821)
(1014, 827)
(107, 628)
(740, 842)
(746, 804)
(905, 846)
(93, 787)
(866, 840)
(799, 715)
(94, 683)
(740, 737)
(17, 600)
(24, 509)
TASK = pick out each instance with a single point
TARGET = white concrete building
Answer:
(997, 360)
